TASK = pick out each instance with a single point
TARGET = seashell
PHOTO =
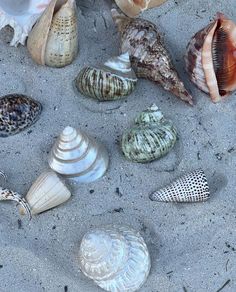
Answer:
(115, 257)
(150, 138)
(76, 155)
(148, 55)
(17, 112)
(54, 39)
(133, 7)
(211, 58)
(21, 16)
(192, 187)
(8, 195)
(47, 192)
(113, 80)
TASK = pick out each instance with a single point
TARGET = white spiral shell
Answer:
(115, 257)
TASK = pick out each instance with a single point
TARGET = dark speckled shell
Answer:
(17, 112)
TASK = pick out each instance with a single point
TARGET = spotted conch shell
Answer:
(21, 15)
(133, 7)
(115, 257)
(149, 57)
(211, 58)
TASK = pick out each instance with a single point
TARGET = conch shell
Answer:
(17, 112)
(113, 80)
(190, 188)
(76, 155)
(150, 138)
(133, 7)
(21, 16)
(211, 58)
(54, 39)
(115, 257)
(47, 192)
(149, 57)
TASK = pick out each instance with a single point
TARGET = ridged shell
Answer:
(54, 39)
(133, 7)
(17, 112)
(115, 257)
(47, 192)
(211, 58)
(113, 80)
(150, 138)
(21, 16)
(192, 187)
(149, 57)
(78, 156)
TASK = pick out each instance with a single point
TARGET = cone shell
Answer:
(75, 155)
(133, 7)
(115, 257)
(17, 112)
(149, 57)
(21, 16)
(211, 58)
(54, 39)
(190, 188)
(150, 138)
(113, 80)
(47, 192)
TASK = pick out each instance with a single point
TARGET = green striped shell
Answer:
(151, 138)
(114, 80)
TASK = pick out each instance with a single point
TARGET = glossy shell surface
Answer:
(115, 257)
(17, 112)
(150, 138)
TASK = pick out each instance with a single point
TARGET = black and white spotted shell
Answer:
(17, 112)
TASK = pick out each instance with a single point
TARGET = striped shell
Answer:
(211, 58)
(192, 187)
(17, 112)
(113, 80)
(115, 257)
(150, 138)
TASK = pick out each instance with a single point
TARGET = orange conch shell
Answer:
(211, 58)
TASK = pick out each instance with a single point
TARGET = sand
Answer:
(192, 246)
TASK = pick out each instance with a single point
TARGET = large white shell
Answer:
(21, 15)
(78, 156)
(47, 192)
(115, 257)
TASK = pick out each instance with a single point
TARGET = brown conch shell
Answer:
(149, 57)
(211, 58)
(132, 8)
(53, 40)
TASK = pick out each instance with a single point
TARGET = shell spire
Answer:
(115, 257)
(149, 57)
(190, 188)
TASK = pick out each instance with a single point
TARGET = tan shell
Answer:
(133, 7)
(54, 39)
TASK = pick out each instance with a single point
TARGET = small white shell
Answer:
(78, 156)
(115, 257)
(192, 187)
(21, 16)
(47, 192)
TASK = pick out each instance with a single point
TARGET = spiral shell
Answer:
(115, 257)
(150, 138)
(17, 112)
(113, 80)
(76, 155)
(211, 58)
(149, 57)
(192, 187)
(21, 16)
(54, 39)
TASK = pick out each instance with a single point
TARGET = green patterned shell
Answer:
(151, 138)
(114, 80)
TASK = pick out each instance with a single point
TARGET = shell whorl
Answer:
(150, 115)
